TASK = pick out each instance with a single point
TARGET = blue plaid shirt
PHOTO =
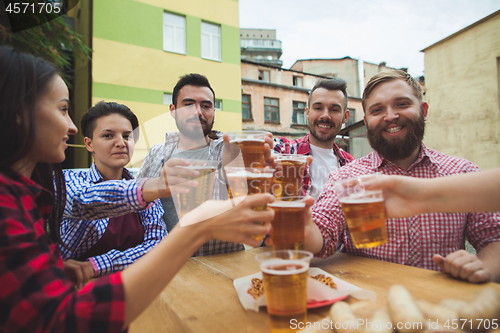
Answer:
(96, 203)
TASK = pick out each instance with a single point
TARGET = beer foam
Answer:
(267, 265)
(288, 204)
(249, 174)
(247, 139)
(357, 199)
(197, 167)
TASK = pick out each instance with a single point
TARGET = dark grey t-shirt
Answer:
(170, 216)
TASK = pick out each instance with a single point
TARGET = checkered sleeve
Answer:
(35, 295)
(152, 162)
(89, 201)
(154, 231)
(328, 216)
(481, 228)
(281, 145)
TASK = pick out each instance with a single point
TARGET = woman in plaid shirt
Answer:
(35, 295)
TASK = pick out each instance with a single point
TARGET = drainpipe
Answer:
(361, 77)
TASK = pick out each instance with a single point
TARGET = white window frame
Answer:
(167, 98)
(218, 104)
(177, 34)
(212, 50)
(296, 111)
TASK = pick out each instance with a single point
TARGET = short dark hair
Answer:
(383, 77)
(193, 79)
(330, 84)
(88, 122)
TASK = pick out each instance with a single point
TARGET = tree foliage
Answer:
(53, 41)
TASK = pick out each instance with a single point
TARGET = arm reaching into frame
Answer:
(408, 196)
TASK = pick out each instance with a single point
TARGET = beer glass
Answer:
(289, 173)
(186, 202)
(288, 223)
(243, 181)
(251, 145)
(363, 210)
(284, 275)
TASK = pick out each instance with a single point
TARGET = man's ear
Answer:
(425, 109)
(88, 144)
(172, 110)
(346, 116)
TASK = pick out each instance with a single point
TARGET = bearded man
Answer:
(193, 108)
(395, 115)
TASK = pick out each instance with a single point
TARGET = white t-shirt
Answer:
(325, 161)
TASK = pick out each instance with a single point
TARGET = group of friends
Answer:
(61, 229)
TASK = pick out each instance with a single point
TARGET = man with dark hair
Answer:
(395, 115)
(193, 108)
(326, 113)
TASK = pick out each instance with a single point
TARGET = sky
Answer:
(391, 31)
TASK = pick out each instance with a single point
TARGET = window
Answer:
(271, 110)
(167, 99)
(352, 117)
(297, 81)
(263, 75)
(174, 33)
(299, 113)
(246, 108)
(210, 41)
(218, 104)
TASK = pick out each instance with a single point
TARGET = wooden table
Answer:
(201, 298)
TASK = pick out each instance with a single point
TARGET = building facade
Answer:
(260, 45)
(462, 74)
(142, 47)
(356, 72)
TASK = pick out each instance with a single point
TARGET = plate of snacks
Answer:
(322, 289)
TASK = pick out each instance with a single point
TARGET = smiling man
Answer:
(395, 115)
(193, 108)
(326, 113)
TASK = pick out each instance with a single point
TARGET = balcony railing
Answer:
(260, 43)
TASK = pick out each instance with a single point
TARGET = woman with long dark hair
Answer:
(35, 295)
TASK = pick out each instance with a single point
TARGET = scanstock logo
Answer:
(26, 14)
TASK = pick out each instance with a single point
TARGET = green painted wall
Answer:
(129, 22)
(126, 93)
(193, 36)
(230, 38)
(117, 92)
(140, 24)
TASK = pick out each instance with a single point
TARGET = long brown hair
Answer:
(24, 78)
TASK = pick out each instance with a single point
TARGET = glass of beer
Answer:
(186, 202)
(288, 223)
(251, 145)
(289, 173)
(243, 181)
(284, 275)
(363, 210)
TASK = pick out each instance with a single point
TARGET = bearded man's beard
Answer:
(395, 149)
(197, 132)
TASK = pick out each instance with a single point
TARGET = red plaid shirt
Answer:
(35, 295)
(301, 147)
(411, 241)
